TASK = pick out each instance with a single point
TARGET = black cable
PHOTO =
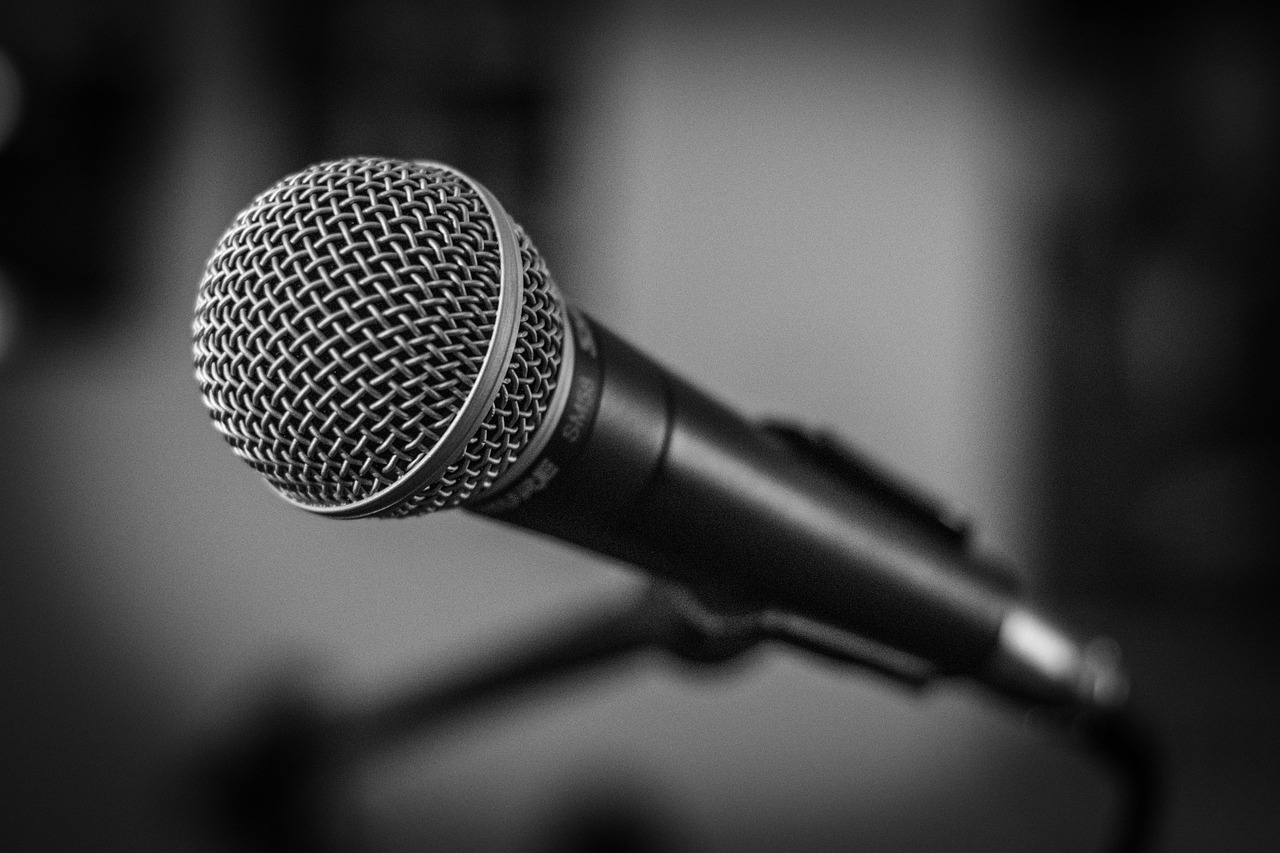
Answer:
(1127, 746)
(1124, 744)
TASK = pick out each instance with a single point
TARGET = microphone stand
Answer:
(279, 788)
(283, 786)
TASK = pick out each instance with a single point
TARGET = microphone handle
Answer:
(646, 469)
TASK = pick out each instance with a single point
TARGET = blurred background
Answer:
(1018, 252)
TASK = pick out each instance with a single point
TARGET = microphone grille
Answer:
(377, 337)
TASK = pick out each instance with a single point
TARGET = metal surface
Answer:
(1050, 668)
(377, 337)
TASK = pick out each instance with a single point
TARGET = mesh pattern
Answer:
(522, 399)
(342, 321)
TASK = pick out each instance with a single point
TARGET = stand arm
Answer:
(282, 789)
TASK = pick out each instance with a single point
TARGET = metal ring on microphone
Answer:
(481, 396)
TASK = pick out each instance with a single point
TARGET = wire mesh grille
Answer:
(522, 399)
(342, 321)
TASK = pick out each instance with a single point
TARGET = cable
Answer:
(1126, 745)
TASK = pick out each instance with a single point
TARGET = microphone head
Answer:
(378, 337)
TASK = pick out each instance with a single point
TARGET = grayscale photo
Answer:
(639, 427)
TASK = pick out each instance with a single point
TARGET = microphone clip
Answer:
(705, 627)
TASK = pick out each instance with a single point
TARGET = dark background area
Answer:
(1022, 252)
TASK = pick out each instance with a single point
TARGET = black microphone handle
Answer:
(647, 469)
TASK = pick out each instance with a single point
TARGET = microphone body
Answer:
(655, 473)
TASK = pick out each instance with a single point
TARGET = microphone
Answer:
(380, 338)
